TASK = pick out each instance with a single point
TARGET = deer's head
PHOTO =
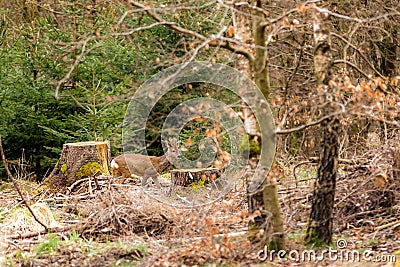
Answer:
(173, 153)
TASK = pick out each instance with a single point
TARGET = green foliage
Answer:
(27, 104)
(33, 58)
(38, 49)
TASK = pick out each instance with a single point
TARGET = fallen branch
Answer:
(3, 157)
(43, 232)
(394, 224)
(341, 160)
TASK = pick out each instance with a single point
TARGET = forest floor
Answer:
(118, 224)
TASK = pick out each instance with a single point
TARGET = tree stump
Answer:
(79, 160)
(194, 176)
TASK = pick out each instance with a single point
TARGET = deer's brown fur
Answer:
(145, 166)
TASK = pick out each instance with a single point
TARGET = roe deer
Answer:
(146, 166)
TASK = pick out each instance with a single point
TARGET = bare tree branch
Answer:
(85, 51)
(197, 35)
(334, 14)
(304, 126)
(343, 61)
(78, 59)
(360, 53)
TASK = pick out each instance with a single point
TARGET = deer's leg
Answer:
(144, 180)
(150, 173)
(116, 173)
(155, 179)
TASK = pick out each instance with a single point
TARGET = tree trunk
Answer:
(320, 225)
(79, 160)
(388, 49)
(319, 230)
(263, 204)
(243, 34)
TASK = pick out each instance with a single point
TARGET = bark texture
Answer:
(79, 160)
(319, 230)
(188, 177)
(263, 203)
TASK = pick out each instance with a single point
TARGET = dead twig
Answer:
(393, 224)
(79, 182)
(96, 181)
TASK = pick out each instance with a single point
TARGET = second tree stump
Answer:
(194, 176)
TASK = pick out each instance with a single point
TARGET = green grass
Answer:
(49, 246)
(74, 236)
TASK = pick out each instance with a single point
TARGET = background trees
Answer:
(69, 68)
